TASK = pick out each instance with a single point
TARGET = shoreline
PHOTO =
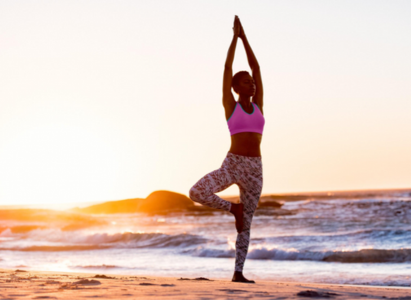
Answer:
(28, 284)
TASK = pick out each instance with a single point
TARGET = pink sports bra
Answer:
(241, 121)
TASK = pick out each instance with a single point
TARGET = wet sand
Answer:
(21, 284)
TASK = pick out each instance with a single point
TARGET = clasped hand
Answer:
(238, 28)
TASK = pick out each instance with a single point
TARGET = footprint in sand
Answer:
(233, 291)
(198, 278)
(68, 286)
(315, 294)
(52, 282)
(147, 283)
(104, 276)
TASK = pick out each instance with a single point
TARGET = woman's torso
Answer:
(245, 143)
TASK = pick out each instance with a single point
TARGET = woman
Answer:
(242, 165)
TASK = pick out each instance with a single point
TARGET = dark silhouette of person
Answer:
(243, 164)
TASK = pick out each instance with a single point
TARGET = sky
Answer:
(108, 100)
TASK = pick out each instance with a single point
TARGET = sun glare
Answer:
(49, 164)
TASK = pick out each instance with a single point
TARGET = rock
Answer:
(112, 207)
(164, 201)
(156, 202)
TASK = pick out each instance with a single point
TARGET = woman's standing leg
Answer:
(250, 183)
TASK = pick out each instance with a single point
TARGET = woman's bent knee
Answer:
(198, 196)
(193, 194)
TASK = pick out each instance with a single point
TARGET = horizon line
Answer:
(330, 192)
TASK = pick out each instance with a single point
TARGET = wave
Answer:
(353, 204)
(371, 256)
(373, 233)
(266, 253)
(360, 256)
(139, 239)
(378, 212)
(56, 248)
(202, 251)
(65, 241)
(372, 238)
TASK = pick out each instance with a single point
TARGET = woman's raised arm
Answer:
(228, 98)
(255, 67)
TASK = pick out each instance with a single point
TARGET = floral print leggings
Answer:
(247, 173)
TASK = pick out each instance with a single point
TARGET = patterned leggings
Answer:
(247, 173)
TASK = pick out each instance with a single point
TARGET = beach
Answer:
(343, 245)
(20, 284)
(349, 238)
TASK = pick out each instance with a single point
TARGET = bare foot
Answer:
(239, 277)
(237, 209)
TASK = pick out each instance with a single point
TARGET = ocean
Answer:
(344, 239)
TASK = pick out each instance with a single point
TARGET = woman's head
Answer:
(243, 84)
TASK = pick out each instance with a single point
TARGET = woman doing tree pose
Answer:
(242, 165)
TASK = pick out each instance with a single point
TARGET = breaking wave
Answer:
(266, 253)
(360, 256)
(45, 240)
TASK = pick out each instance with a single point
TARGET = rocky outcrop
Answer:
(112, 207)
(156, 202)
(269, 204)
(164, 201)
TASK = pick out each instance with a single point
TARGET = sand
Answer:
(19, 284)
